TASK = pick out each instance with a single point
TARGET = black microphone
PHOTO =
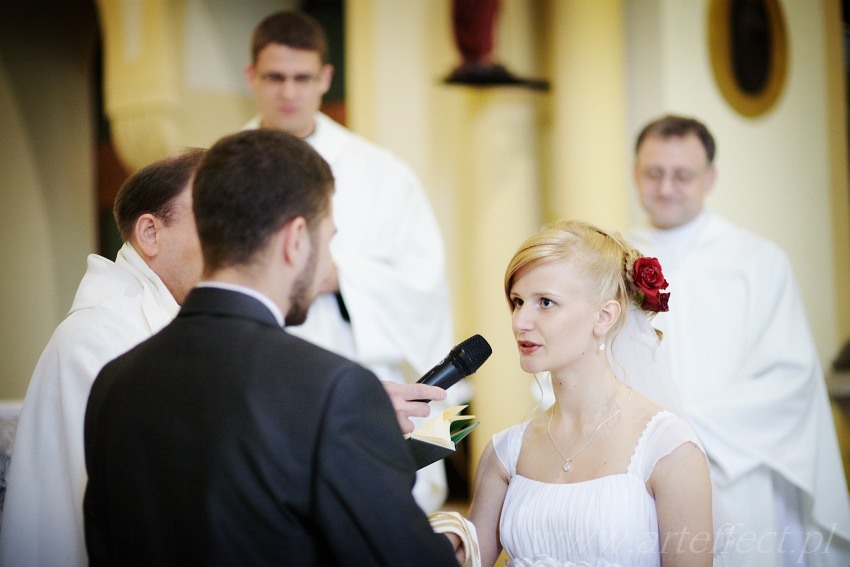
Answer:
(463, 360)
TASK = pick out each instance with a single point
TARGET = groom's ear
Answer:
(295, 242)
(609, 313)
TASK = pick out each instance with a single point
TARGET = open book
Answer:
(436, 439)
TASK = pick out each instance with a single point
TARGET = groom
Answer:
(223, 440)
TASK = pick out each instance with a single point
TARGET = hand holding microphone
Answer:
(407, 401)
(462, 360)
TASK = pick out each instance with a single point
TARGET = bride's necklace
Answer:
(568, 463)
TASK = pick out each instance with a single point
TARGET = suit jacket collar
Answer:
(227, 303)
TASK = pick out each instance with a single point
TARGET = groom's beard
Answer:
(302, 294)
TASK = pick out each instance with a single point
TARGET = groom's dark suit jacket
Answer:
(224, 440)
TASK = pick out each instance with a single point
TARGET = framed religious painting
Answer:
(748, 48)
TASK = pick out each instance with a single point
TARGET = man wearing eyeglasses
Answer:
(744, 360)
(385, 303)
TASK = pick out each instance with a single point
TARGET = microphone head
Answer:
(472, 353)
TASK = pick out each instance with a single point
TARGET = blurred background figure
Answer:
(744, 359)
(385, 303)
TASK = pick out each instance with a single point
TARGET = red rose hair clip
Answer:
(648, 282)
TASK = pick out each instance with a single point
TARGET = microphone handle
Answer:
(443, 375)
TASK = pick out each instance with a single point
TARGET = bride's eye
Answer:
(517, 302)
(546, 303)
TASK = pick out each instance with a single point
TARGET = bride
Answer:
(605, 476)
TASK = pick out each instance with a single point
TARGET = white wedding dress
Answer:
(605, 521)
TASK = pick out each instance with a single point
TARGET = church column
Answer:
(590, 173)
(498, 207)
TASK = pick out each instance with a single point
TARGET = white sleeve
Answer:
(391, 270)
(507, 445)
(664, 434)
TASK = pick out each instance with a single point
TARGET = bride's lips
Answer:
(527, 347)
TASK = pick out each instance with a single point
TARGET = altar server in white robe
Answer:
(117, 305)
(744, 360)
(387, 304)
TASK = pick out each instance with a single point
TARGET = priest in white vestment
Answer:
(744, 360)
(388, 307)
(117, 305)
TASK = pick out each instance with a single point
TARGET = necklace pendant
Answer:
(568, 466)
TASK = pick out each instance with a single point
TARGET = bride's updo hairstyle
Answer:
(603, 259)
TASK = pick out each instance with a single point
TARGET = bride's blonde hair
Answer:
(602, 257)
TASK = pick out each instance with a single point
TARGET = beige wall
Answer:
(47, 217)
(587, 64)
(836, 131)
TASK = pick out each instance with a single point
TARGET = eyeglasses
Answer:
(274, 80)
(678, 177)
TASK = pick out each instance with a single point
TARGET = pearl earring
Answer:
(601, 343)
